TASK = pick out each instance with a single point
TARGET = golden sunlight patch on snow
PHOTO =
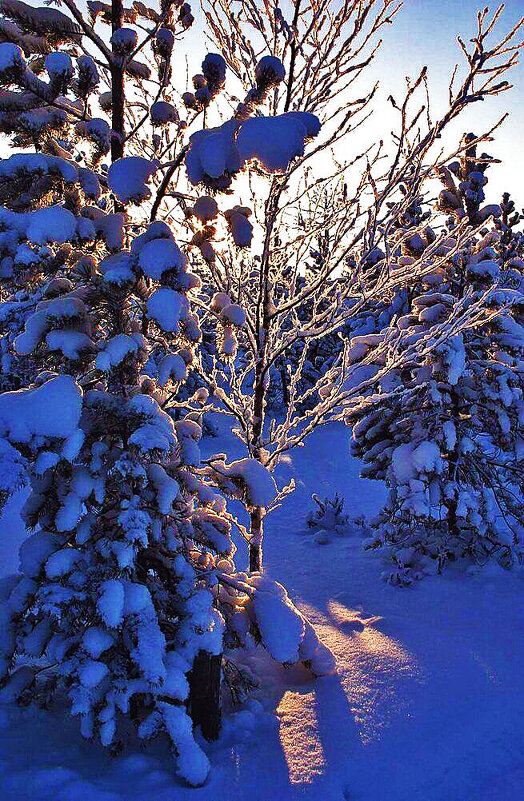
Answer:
(375, 671)
(299, 737)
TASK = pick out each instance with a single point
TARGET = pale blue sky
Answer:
(425, 33)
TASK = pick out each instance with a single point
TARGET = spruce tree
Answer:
(445, 429)
(127, 589)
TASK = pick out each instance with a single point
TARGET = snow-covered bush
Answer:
(328, 519)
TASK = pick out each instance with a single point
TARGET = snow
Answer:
(192, 763)
(70, 343)
(35, 550)
(426, 458)
(99, 131)
(485, 269)
(275, 141)
(239, 225)
(51, 224)
(166, 487)
(450, 434)
(205, 208)
(162, 113)
(70, 512)
(58, 65)
(220, 300)
(124, 39)
(42, 163)
(214, 69)
(165, 40)
(160, 255)
(10, 56)
(426, 705)
(88, 72)
(270, 70)
(234, 314)
(255, 480)
(96, 640)
(51, 410)
(91, 673)
(110, 604)
(281, 627)
(212, 153)
(171, 367)
(167, 307)
(12, 468)
(39, 323)
(116, 268)
(127, 178)
(62, 562)
(216, 153)
(115, 351)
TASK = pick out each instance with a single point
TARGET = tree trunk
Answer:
(284, 378)
(454, 456)
(256, 534)
(256, 529)
(261, 378)
(204, 694)
(117, 88)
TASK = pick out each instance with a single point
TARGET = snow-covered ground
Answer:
(427, 703)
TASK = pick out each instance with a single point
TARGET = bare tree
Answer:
(292, 291)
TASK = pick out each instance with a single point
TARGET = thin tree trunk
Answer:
(204, 694)
(283, 378)
(117, 87)
(261, 378)
(256, 535)
(451, 505)
(256, 529)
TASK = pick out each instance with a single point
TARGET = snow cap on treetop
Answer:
(269, 71)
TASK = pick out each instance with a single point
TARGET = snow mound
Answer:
(52, 410)
(52, 224)
(247, 478)
(127, 178)
(213, 154)
(275, 141)
(285, 631)
(217, 153)
(167, 307)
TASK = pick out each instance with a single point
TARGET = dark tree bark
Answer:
(454, 456)
(117, 87)
(204, 706)
(256, 534)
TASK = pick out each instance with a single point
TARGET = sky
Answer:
(424, 33)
